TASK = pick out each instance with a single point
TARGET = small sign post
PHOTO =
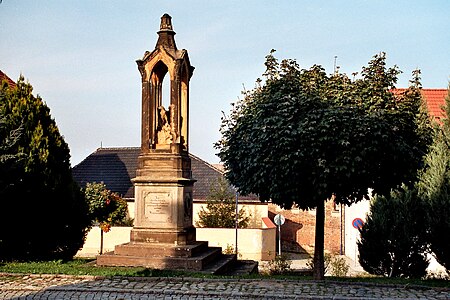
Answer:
(357, 223)
(279, 220)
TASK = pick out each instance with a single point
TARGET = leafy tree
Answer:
(301, 135)
(434, 188)
(220, 211)
(105, 207)
(393, 241)
(44, 212)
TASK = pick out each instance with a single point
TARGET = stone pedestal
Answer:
(163, 236)
(163, 213)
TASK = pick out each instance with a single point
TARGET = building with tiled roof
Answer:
(116, 167)
(435, 99)
(5, 77)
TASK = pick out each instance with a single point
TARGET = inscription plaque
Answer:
(157, 206)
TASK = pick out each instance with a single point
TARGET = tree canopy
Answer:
(301, 135)
(45, 215)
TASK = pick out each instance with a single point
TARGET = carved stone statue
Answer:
(166, 125)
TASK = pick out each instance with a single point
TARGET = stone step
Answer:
(243, 267)
(221, 265)
(152, 250)
(134, 257)
(200, 261)
(197, 257)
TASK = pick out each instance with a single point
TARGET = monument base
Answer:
(197, 257)
(184, 236)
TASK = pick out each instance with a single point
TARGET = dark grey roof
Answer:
(113, 166)
(117, 166)
(205, 174)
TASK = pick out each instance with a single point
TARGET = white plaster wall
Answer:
(356, 210)
(254, 244)
(256, 211)
(116, 236)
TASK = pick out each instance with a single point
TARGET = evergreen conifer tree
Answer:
(220, 211)
(44, 215)
(393, 239)
(434, 188)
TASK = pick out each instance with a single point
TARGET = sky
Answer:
(80, 56)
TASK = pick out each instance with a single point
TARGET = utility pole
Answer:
(237, 221)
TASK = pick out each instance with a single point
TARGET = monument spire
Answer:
(166, 33)
(165, 126)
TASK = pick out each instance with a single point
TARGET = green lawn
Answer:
(79, 266)
(84, 266)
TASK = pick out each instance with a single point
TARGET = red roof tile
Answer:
(3, 76)
(435, 99)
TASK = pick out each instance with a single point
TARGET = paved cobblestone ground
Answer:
(88, 287)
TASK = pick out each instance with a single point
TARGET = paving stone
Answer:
(94, 288)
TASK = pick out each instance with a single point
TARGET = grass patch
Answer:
(73, 267)
(85, 266)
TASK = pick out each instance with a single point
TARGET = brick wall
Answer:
(298, 232)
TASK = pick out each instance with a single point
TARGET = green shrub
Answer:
(434, 188)
(105, 208)
(228, 250)
(280, 265)
(393, 239)
(327, 257)
(339, 267)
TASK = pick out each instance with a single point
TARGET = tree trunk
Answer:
(318, 272)
(101, 241)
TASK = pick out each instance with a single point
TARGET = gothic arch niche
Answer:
(157, 80)
(184, 100)
(163, 131)
(165, 114)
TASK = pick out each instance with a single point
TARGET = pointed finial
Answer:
(166, 33)
(166, 23)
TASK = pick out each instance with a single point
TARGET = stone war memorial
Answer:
(163, 236)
